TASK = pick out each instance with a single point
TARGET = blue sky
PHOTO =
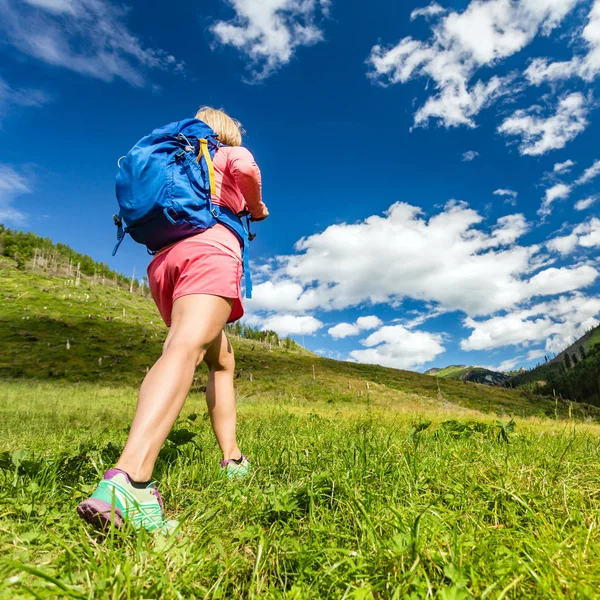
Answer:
(432, 171)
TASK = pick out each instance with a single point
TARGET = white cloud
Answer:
(506, 365)
(586, 66)
(563, 244)
(539, 134)
(482, 35)
(283, 296)
(589, 174)
(369, 322)
(586, 202)
(588, 233)
(291, 324)
(86, 36)
(559, 191)
(505, 192)
(427, 12)
(563, 167)
(12, 185)
(447, 260)
(558, 322)
(399, 348)
(533, 354)
(268, 32)
(470, 155)
(585, 235)
(510, 196)
(343, 330)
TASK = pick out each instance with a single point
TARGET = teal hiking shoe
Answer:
(235, 469)
(117, 501)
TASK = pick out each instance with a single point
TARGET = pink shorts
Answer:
(193, 267)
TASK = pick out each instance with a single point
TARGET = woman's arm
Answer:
(246, 174)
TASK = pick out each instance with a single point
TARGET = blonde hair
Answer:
(229, 130)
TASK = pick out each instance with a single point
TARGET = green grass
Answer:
(346, 501)
(367, 482)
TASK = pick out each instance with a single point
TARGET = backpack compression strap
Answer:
(211, 170)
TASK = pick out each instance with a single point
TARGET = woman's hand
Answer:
(264, 215)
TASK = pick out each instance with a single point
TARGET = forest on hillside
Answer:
(575, 375)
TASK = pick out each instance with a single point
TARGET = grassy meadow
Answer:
(366, 482)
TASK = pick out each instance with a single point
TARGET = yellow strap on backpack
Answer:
(211, 170)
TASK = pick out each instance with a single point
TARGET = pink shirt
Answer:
(238, 187)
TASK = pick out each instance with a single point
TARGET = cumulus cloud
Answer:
(462, 43)
(398, 347)
(539, 134)
(368, 322)
(586, 202)
(470, 155)
(589, 174)
(563, 167)
(268, 33)
(559, 191)
(586, 65)
(291, 324)
(449, 260)
(12, 185)
(343, 330)
(558, 322)
(86, 36)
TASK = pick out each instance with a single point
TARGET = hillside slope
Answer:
(52, 329)
(574, 373)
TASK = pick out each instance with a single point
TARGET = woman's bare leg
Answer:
(220, 396)
(197, 320)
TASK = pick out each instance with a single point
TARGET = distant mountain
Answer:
(470, 373)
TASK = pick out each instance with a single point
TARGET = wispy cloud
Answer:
(11, 97)
(563, 167)
(589, 174)
(86, 36)
(12, 185)
(470, 155)
(428, 12)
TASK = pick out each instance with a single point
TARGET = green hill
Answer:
(55, 327)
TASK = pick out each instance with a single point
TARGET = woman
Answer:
(195, 284)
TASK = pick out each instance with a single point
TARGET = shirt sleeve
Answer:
(246, 175)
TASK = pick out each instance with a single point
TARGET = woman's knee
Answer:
(193, 348)
(224, 360)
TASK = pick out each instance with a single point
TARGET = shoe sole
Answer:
(100, 514)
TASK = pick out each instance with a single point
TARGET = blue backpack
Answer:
(164, 188)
